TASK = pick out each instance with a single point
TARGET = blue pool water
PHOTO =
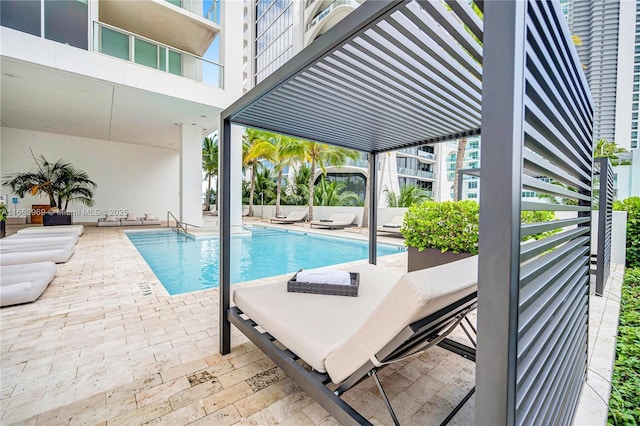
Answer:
(183, 264)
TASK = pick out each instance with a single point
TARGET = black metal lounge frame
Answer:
(413, 339)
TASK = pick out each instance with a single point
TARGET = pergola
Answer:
(396, 74)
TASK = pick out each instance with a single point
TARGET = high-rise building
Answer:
(124, 90)
(635, 139)
(606, 29)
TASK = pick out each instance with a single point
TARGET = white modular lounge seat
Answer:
(108, 221)
(78, 229)
(36, 252)
(150, 219)
(345, 338)
(25, 282)
(293, 217)
(44, 237)
(17, 239)
(393, 227)
(335, 221)
(131, 220)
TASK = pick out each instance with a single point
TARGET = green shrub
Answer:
(632, 207)
(453, 225)
(529, 216)
(3, 212)
(624, 404)
(447, 225)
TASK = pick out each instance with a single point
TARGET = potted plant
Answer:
(440, 232)
(3, 220)
(60, 182)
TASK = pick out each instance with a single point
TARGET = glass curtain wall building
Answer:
(274, 36)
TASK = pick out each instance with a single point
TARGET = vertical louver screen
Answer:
(605, 217)
(554, 260)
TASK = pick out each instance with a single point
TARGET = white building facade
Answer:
(124, 90)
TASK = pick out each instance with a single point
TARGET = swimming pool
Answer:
(183, 264)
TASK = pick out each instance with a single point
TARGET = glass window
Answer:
(21, 15)
(146, 53)
(472, 195)
(65, 21)
(473, 184)
(114, 43)
(175, 63)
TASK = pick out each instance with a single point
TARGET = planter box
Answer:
(431, 257)
(57, 219)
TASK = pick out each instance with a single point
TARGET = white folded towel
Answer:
(391, 225)
(324, 276)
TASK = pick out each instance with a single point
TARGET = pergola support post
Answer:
(373, 207)
(500, 196)
(224, 199)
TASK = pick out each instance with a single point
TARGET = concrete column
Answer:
(236, 179)
(191, 174)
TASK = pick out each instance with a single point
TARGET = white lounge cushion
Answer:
(25, 283)
(314, 325)
(340, 334)
(78, 229)
(31, 253)
(416, 295)
(57, 236)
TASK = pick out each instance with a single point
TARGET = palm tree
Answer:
(462, 149)
(334, 194)
(210, 163)
(287, 150)
(604, 148)
(297, 190)
(255, 148)
(409, 195)
(59, 181)
(322, 155)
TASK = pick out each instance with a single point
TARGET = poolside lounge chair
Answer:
(78, 229)
(36, 252)
(25, 283)
(392, 227)
(61, 236)
(392, 317)
(335, 221)
(293, 217)
(21, 240)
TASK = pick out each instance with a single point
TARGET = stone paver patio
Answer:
(106, 344)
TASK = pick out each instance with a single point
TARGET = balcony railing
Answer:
(122, 44)
(319, 17)
(208, 9)
(427, 155)
(425, 174)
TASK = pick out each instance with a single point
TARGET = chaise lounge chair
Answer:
(25, 283)
(392, 227)
(45, 238)
(346, 339)
(13, 254)
(77, 229)
(335, 221)
(292, 217)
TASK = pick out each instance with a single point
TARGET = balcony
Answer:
(425, 174)
(131, 47)
(208, 9)
(319, 17)
(426, 155)
(175, 23)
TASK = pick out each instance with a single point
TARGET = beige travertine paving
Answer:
(97, 347)
(106, 344)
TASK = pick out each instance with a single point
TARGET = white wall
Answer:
(131, 177)
(618, 236)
